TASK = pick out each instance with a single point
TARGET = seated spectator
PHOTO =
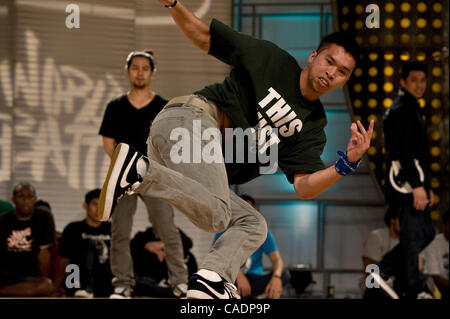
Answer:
(250, 281)
(150, 268)
(5, 206)
(86, 243)
(26, 236)
(379, 242)
(435, 258)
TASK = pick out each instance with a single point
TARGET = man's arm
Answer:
(274, 287)
(192, 27)
(44, 259)
(308, 186)
(243, 285)
(109, 144)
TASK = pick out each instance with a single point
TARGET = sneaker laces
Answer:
(232, 289)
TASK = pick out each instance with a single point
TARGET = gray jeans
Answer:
(201, 192)
(161, 217)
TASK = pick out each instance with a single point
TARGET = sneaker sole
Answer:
(196, 294)
(109, 186)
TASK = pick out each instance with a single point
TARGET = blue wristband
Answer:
(343, 166)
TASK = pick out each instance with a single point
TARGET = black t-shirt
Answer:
(78, 238)
(127, 124)
(263, 91)
(21, 241)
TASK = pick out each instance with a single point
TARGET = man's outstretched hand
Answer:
(359, 141)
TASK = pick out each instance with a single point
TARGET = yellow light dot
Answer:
(372, 165)
(435, 216)
(437, 39)
(387, 102)
(421, 23)
(436, 71)
(405, 23)
(373, 39)
(373, 71)
(405, 7)
(435, 167)
(436, 87)
(374, 135)
(421, 7)
(437, 199)
(435, 103)
(357, 88)
(388, 38)
(388, 71)
(359, 40)
(357, 103)
(345, 10)
(345, 26)
(359, 9)
(421, 56)
(420, 38)
(358, 72)
(437, 23)
(436, 136)
(436, 56)
(389, 7)
(404, 56)
(436, 119)
(383, 150)
(388, 87)
(389, 23)
(435, 182)
(388, 56)
(372, 117)
(373, 56)
(358, 25)
(372, 87)
(382, 182)
(437, 7)
(435, 151)
(372, 151)
(422, 103)
(357, 118)
(424, 118)
(372, 103)
(404, 38)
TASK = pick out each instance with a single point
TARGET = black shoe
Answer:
(206, 284)
(122, 178)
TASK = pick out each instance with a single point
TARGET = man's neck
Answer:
(393, 233)
(21, 216)
(307, 92)
(93, 223)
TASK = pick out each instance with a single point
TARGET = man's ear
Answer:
(85, 206)
(402, 83)
(312, 56)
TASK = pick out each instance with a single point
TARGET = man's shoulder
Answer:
(382, 232)
(118, 100)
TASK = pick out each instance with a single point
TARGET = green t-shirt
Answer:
(261, 91)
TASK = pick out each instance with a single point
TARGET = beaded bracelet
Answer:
(343, 166)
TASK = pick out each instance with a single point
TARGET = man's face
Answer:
(92, 208)
(139, 72)
(415, 84)
(330, 68)
(24, 200)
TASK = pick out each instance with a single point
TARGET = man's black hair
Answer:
(391, 213)
(95, 193)
(412, 66)
(24, 184)
(344, 40)
(248, 198)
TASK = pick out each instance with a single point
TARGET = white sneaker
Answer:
(180, 290)
(384, 286)
(207, 284)
(121, 293)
